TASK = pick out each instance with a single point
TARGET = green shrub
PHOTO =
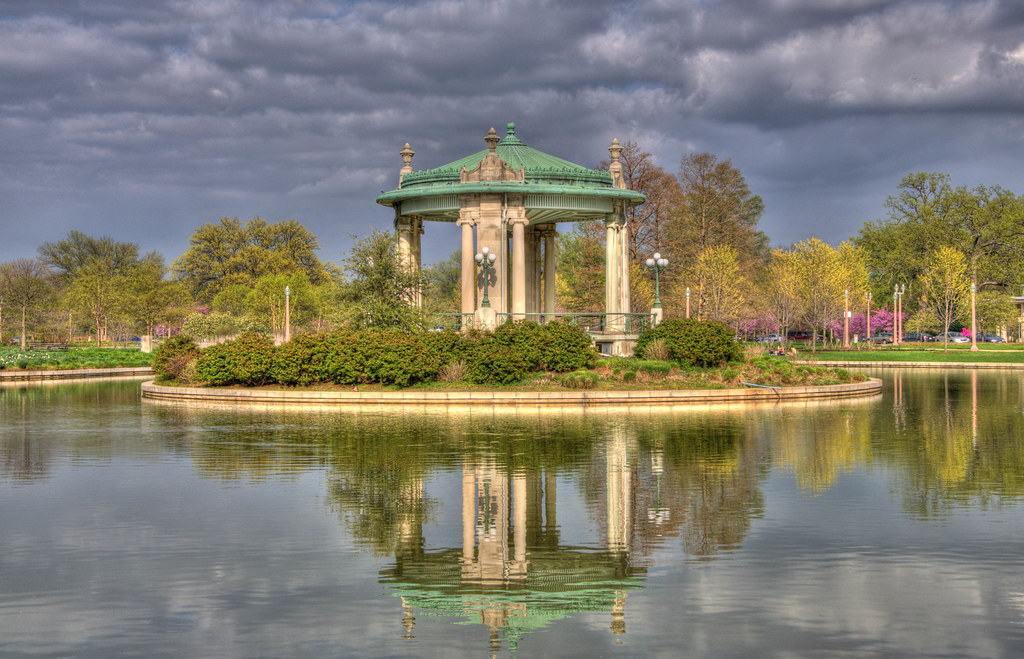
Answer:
(652, 367)
(629, 376)
(565, 348)
(173, 357)
(300, 361)
(492, 362)
(247, 360)
(694, 342)
(400, 357)
(525, 337)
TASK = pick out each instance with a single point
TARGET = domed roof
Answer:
(555, 189)
(539, 167)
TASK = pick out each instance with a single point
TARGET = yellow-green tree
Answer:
(720, 284)
(821, 284)
(946, 287)
(783, 289)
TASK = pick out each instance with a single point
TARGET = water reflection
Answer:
(506, 522)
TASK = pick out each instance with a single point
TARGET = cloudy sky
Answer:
(144, 120)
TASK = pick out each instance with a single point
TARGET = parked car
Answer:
(952, 337)
(769, 338)
(919, 337)
(993, 338)
(802, 336)
(881, 337)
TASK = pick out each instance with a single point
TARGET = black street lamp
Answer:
(657, 265)
(485, 259)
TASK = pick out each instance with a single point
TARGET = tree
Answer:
(784, 287)
(382, 288)
(96, 274)
(720, 284)
(821, 284)
(78, 252)
(715, 208)
(229, 253)
(946, 285)
(985, 224)
(443, 285)
(24, 284)
(267, 299)
(580, 277)
(151, 298)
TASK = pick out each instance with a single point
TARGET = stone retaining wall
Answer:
(515, 399)
(73, 373)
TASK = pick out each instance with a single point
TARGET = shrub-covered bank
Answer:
(687, 354)
(387, 357)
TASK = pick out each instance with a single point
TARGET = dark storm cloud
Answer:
(144, 120)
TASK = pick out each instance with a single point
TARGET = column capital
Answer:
(468, 220)
(519, 219)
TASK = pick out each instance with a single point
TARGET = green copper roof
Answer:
(544, 175)
(540, 166)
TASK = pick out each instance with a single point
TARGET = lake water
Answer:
(888, 526)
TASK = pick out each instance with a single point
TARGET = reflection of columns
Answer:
(549, 274)
(468, 270)
(485, 526)
(519, 526)
(518, 265)
(619, 493)
(468, 514)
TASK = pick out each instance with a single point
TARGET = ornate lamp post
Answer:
(657, 265)
(974, 318)
(903, 289)
(287, 313)
(485, 259)
(687, 301)
(868, 296)
(846, 318)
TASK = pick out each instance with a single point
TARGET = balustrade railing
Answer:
(451, 321)
(594, 323)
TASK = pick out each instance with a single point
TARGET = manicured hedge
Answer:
(392, 356)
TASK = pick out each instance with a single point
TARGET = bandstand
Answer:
(509, 199)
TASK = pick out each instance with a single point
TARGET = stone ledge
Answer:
(570, 399)
(73, 373)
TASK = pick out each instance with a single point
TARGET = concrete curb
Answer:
(867, 364)
(516, 399)
(73, 374)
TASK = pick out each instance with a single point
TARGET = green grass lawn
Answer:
(14, 358)
(987, 354)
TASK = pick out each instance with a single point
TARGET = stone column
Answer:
(611, 266)
(518, 265)
(417, 257)
(549, 275)
(532, 271)
(468, 267)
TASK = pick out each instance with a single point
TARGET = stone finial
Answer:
(407, 153)
(615, 149)
(492, 139)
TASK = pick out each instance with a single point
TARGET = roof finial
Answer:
(615, 149)
(510, 129)
(491, 139)
(407, 153)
